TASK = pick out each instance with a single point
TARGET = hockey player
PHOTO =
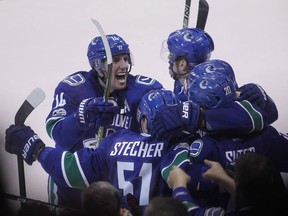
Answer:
(128, 160)
(252, 186)
(239, 118)
(185, 49)
(188, 47)
(214, 91)
(78, 108)
(211, 66)
(254, 93)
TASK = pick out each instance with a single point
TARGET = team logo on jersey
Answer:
(144, 80)
(195, 148)
(74, 80)
(182, 145)
(91, 143)
(59, 112)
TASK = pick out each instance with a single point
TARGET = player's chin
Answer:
(120, 85)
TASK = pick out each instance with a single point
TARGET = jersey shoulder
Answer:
(81, 85)
(74, 80)
(138, 86)
(121, 135)
(141, 81)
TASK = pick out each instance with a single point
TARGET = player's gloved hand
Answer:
(254, 93)
(184, 116)
(95, 112)
(23, 141)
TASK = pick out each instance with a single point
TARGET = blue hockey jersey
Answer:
(129, 160)
(62, 127)
(270, 112)
(226, 150)
(60, 123)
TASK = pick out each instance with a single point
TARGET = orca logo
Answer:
(94, 42)
(187, 37)
(195, 148)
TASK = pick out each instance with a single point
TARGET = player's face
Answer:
(178, 70)
(120, 72)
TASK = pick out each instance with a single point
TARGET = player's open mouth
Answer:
(121, 76)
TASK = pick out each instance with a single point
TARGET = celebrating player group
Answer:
(151, 133)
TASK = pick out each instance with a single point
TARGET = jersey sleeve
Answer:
(179, 156)
(236, 118)
(76, 170)
(61, 125)
(185, 197)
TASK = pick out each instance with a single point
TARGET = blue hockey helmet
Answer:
(192, 43)
(154, 101)
(212, 90)
(96, 51)
(211, 66)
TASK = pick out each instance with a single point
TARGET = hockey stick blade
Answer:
(110, 66)
(202, 14)
(30, 103)
(109, 57)
(186, 13)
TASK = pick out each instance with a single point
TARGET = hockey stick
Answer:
(110, 65)
(30, 103)
(186, 13)
(202, 14)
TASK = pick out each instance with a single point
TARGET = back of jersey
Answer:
(132, 164)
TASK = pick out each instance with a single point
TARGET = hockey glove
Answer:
(254, 93)
(23, 141)
(95, 112)
(184, 116)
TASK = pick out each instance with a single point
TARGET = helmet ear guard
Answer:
(97, 64)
